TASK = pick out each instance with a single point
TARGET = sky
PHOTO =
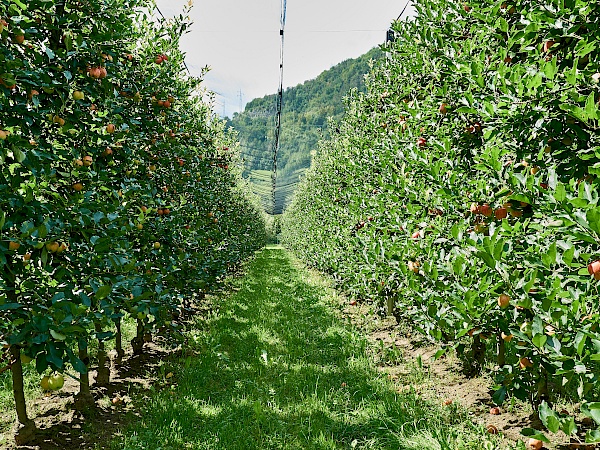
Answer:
(239, 40)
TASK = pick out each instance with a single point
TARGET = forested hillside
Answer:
(305, 111)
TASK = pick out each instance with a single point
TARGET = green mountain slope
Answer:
(305, 112)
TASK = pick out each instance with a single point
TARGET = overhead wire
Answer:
(279, 102)
(163, 16)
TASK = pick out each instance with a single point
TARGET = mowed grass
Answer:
(275, 368)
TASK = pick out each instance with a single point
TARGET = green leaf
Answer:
(593, 219)
(567, 424)
(549, 258)
(590, 107)
(568, 255)
(560, 193)
(575, 111)
(50, 53)
(502, 24)
(580, 339)
(68, 41)
(539, 340)
(77, 363)
(487, 259)
(535, 434)
(500, 395)
(549, 418)
(58, 336)
(571, 75)
(550, 69)
(19, 155)
(591, 409)
(592, 436)
(103, 291)
(499, 249)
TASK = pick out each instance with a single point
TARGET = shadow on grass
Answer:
(277, 369)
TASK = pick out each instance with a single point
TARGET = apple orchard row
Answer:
(120, 191)
(460, 194)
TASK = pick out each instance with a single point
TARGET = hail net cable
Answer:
(163, 16)
(279, 104)
(403, 9)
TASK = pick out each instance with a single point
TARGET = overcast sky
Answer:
(239, 40)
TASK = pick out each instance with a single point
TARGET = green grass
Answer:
(275, 368)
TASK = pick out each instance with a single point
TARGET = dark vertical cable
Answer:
(279, 106)
(163, 16)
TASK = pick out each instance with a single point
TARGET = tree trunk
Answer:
(137, 343)
(103, 377)
(542, 389)
(84, 400)
(119, 341)
(24, 427)
(478, 353)
(390, 306)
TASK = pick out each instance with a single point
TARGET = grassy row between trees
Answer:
(276, 367)
(120, 192)
(460, 193)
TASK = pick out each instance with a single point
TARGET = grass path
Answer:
(277, 368)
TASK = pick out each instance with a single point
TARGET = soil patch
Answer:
(61, 426)
(409, 362)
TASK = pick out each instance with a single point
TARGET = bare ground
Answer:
(403, 356)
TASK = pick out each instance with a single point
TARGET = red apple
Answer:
(421, 142)
(413, 266)
(594, 267)
(492, 429)
(534, 444)
(503, 301)
(501, 213)
(547, 45)
(52, 247)
(485, 210)
(524, 363)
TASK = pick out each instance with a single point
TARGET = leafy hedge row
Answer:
(120, 192)
(461, 191)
